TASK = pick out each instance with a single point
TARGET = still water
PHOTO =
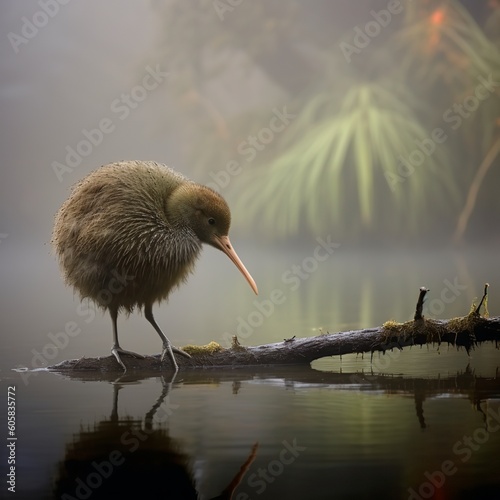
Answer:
(314, 435)
(421, 423)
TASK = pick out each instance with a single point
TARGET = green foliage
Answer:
(344, 164)
(330, 156)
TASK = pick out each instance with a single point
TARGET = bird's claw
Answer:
(128, 353)
(116, 351)
(168, 348)
(181, 352)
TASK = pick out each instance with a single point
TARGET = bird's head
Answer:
(206, 213)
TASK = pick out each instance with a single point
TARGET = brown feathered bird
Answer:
(131, 231)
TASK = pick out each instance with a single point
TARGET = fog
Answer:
(329, 146)
(93, 79)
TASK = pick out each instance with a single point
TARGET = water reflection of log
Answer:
(466, 384)
(129, 458)
(300, 377)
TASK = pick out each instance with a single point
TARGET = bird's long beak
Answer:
(223, 243)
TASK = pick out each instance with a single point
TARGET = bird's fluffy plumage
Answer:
(120, 241)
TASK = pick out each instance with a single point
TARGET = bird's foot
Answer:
(170, 349)
(128, 353)
(181, 352)
(117, 350)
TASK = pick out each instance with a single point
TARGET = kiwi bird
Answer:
(131, 231)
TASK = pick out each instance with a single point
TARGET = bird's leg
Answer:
(117, 350)
(167, 346)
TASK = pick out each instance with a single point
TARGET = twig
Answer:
(484, 299)
(420, 303)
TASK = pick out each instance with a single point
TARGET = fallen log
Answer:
(463, 332)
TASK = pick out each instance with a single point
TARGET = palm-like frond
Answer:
(331, 164)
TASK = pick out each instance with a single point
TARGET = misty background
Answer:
(308, 126)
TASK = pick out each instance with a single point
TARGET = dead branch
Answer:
(463, 332)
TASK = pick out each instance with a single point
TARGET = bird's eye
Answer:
(211, 221)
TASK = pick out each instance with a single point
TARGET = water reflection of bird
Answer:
(124, 457)
(131, 231)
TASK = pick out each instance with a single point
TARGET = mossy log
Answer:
(463, 332)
